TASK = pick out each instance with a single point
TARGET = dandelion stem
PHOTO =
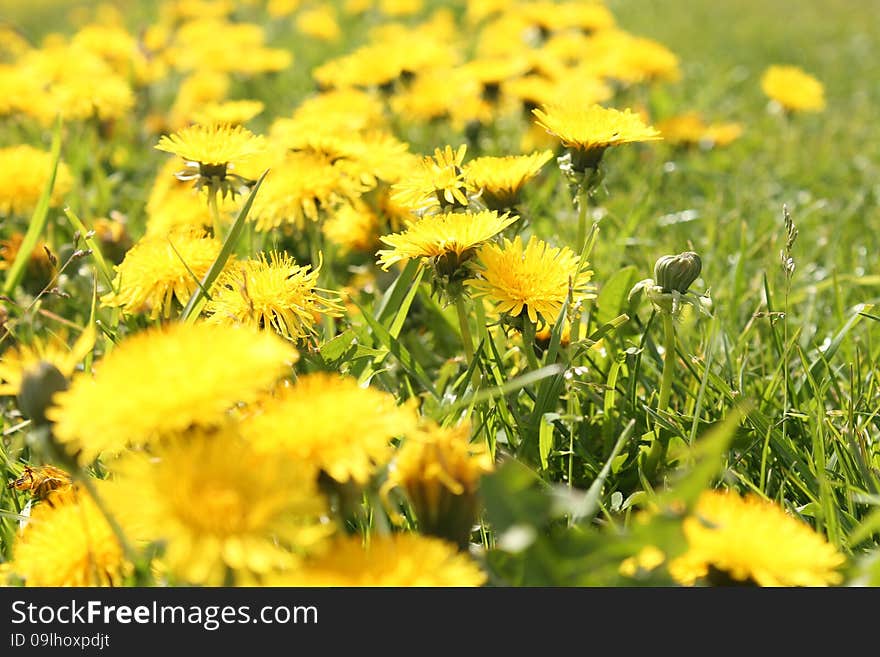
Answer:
(659, 444)
(529, 344)
(466, 338)
(668, 362)
(582, 195)
(215, 215)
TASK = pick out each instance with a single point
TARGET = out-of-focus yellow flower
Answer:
(748, 539)
(69, 544)
(440, 471)
(302, 421)
(793, 88)
(25, 171)
(161, 273)
(396, 560)
(219, 508)
(172, 377)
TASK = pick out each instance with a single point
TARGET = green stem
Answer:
(660, 444)
(529, 344)
(668, 362)
(466, 338)
(215, 215)
(582, 195)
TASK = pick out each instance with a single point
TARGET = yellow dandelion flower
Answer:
(649, 558)
(748, 539)
(793, 88)
(397, 560)
(302, 421)
(534, 279)
(281, 8)
(25, 171)
(319, 23)
(342, 110)
(353, 227)
(217, 506)
(691, 129)
(589, 131)
(272, 293)
(449, 239)
(399, 8)
(197, 90)
(212, 44)
(69, 544)
(213, 153)
(230, 112)
(372, 65)
(18, 361)
(501, 179)
(438, 184)
(299, 188)
(440, 471)
(164, 380)
(76, 83)
(161, 272)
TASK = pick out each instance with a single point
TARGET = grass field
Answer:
(371, 404)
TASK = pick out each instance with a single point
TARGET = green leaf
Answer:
(545, 436)
(613, 296)
(707, 457)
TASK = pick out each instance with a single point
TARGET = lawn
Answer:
(442, 293)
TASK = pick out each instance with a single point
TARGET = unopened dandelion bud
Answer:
(675, 273)
(38, 387)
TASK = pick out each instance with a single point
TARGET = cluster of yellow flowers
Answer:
(227, 456)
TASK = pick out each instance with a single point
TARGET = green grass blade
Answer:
(38, 218)
(197, 300)
(104, 269)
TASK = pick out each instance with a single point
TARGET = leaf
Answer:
(707, 456)
(614, 293)
(545, 436)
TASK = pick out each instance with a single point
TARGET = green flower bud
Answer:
(677, 272)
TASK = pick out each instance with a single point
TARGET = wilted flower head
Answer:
(440, 471)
